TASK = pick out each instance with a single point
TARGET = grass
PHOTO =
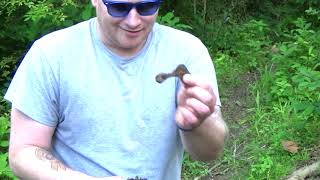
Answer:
(254, 150)
(266, 100)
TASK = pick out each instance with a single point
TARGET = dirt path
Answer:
(236, 100)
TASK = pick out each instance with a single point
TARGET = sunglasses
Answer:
(122, 9)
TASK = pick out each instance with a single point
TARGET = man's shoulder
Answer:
(68, 43)
(66, 36)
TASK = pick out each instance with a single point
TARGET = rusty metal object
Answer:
(180, 70)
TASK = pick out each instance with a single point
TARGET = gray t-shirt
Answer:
(111, 116)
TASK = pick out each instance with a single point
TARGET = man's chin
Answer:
(132, 45)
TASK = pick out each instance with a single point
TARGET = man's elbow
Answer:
(17, 159)
(209, 155)
(213, 152)
(12, 158)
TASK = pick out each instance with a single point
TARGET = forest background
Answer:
(266, 55)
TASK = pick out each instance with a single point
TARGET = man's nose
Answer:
(133, 19)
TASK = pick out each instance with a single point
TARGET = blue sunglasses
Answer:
(122, 9)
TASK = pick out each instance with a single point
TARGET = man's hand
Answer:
(196, 102)
(196, 112)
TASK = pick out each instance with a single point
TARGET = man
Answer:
(85, 103)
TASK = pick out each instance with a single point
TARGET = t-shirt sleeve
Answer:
(34, 88)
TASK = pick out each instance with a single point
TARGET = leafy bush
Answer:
(285, 60)
(7, 66)
(24, 21)
(5, 171)
(169, 19)
(297, 63)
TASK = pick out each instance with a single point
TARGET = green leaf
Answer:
(3, 161)
(87, 13)
(4, 143)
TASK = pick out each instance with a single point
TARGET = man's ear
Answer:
(94, 3)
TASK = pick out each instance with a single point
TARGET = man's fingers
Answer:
(199, 109)
(196, 101)
(193, 80)
(202, 95)
(186, 119)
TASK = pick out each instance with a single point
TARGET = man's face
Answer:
(124, 35)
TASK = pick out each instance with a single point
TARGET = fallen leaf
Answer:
(290, 146)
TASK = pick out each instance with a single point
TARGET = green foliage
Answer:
(170, 20)
(24, 21)
(263, 166)
(193, 169)
(5, 171)
(298, 76)
(7, 66)
(284, 55)
(249, 43)
(4, 131)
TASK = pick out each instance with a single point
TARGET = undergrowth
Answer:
(285, 98)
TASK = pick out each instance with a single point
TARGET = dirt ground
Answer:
(234, 107)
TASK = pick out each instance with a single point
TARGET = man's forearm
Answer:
(206, 142)
(38, 163)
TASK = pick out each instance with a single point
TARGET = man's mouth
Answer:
(133, 32)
